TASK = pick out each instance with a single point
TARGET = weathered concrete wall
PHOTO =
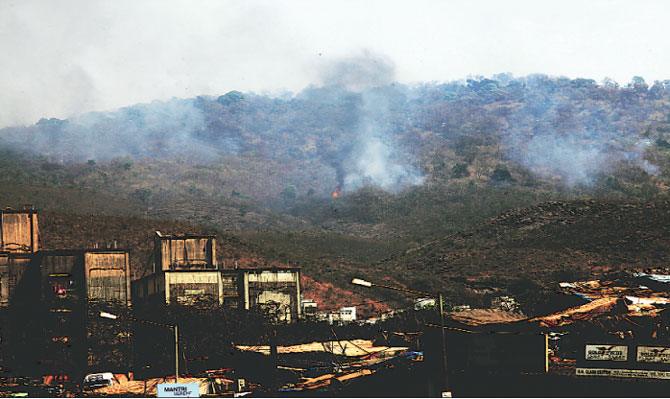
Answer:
(107, 276)
(279, 286)
(246, 288)
(174, 252)
(13, 267)
(83, 274)
(186, 286)
(19, 236)
(4, 279)
(19, 231)
(62, 275)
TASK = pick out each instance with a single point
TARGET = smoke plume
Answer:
(158, 129)
(554, 138)
(371, 154)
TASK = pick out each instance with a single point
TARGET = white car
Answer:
(99, 380)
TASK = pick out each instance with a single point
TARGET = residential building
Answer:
(345, 314)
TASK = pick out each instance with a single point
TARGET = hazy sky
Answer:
(62, 58)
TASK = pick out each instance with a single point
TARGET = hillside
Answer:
(433, 185)
(532, 248)
(436, 155)
(135, 234)
(522, 252)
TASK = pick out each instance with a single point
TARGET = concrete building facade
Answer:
(184, 252)
(185, 271)
(19, 238)
(240, 288)
(19, 231)
(92, 275)
(12, 268)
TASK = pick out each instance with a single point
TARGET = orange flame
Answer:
(335, 194)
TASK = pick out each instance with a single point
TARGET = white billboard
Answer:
(653, 354)
(612, 353)
(190, 390)
(662, 375)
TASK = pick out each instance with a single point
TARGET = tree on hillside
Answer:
(460, 170)
(501, 174)
(230, 98)
(289, 193)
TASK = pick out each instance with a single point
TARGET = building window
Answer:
(62, 286)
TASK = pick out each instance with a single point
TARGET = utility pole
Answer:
(444, 346)
(176, 353)
(172, 326)
(364, 283)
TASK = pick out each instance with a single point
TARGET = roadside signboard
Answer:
(612, 360)
(190, 390)
(663, 375)
(613, 353)
(653, 354)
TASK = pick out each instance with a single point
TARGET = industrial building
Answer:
(19, 237)
(19, 232)
(185, 270)
(184, 252)
(57, 301)
(240, 288)
(91, 274)
(346, 314)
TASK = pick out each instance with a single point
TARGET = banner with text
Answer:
(653, 354)
(612, 353)
(190, 390)
(664, 375)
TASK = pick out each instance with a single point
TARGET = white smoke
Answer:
(375, 157)
(578, 158)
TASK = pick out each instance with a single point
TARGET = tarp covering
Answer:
(477, 317)
(358, 368)
(584, 312)
(638, 306)
(630, 306)
(326, 379)
(354, 347)
(596, 289)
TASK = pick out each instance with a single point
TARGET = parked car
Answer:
(99, 380)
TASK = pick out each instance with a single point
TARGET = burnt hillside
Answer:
(550, 242)
(519, 252)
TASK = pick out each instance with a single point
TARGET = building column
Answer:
(245, 281)
(4, 288)
(219, 279)
(299, 299)
(167, 287)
